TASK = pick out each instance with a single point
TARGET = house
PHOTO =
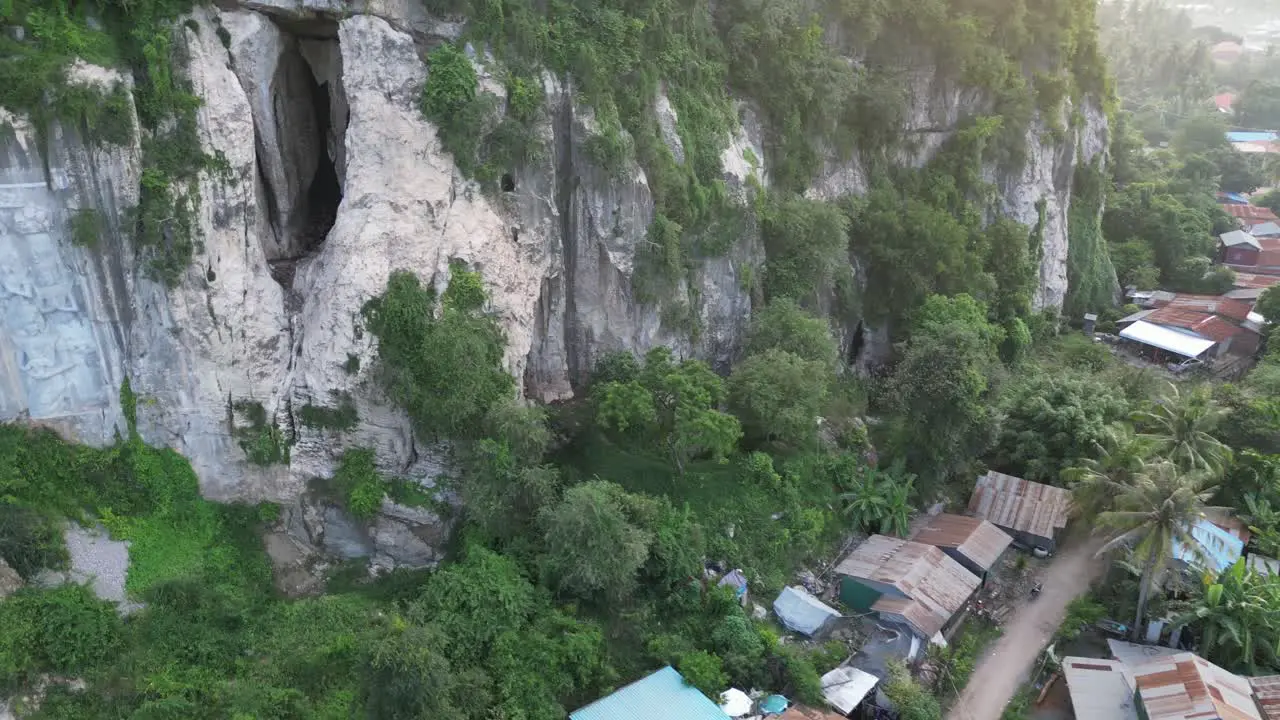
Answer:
(1238, 247)
(1180, 686)
(1225, 102)
(663, 694)
(1033, 513)
(1219, 548)
(973, 542)
(908, 583)
(801, 612)
(1247, 136)
(1197, 326)
(801, 712)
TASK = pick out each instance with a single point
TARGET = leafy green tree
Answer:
(1181, 429)
(938, 391)
(1053, 421)
(1268, 305)
(1151, 515)
(702, 670)
(675, 405)
(784, 325)
(502, 495)
(593, 548)
(805, 244)
(1259, 105)
(410, 676)
(445, 370)
(1238, 616)
(778, 397)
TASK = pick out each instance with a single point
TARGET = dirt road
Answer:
(1006, 665)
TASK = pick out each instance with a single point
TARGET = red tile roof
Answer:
(1224, 101)
(1253, 213)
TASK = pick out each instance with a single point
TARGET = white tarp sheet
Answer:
(803, 613)
(1166, 339)
(845, 687)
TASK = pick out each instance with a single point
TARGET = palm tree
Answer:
(1161, 507)
(1181, 429)
(1096, 483)
(880, 499)
(1239, 617)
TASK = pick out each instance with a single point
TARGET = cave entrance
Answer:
(320, 206)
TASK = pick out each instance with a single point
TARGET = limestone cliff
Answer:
(333, 180)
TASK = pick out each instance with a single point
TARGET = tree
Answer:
(1052, 421)
(1239, 619)
(446, 368)
(878, 500)
(1097, 483)
(778, 396)
(593, 548)
(938, 391)
(675, 405)
(783, 325)
(1161, 508)
(1268, 305)
(1181, 430)
(912, 701)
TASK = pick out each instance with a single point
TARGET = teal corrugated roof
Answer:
(663, 694)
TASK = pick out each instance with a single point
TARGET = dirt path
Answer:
(1006, 665)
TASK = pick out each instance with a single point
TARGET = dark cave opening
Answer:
(508, 183)
(324, 193)
(855, 344)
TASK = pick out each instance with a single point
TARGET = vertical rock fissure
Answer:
(565, 186)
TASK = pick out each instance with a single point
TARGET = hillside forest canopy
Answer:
(582, 530)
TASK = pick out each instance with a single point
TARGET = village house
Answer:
(973, 542)
(663, 694)
(1183, 325)
(1248, 215)
(1031, 512)
(907, 583)
(1166, 686)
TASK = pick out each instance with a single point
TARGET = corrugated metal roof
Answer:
(924, 620)
(1262, 564)
(800, 712)
(1254, 281)
(972, 537)
(1021, 505)
(1266, 692)
(1100, 689)
(663, 694)
(1164, 338)
(1249, 212)
(1186, 687)
(1266, 228)
(845, 687)
(1239, 237)
(1133, 654)
(1215, 304)
(938, 585)
(1250, 136)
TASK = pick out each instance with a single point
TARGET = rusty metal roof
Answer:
(1187, 687)
(801, 712)
(1206, 325)
(1266, 692)
(1020, 505)
(935, 586)
(1233, 308)
(972, 537)
(1248, 212)
(1255, 281)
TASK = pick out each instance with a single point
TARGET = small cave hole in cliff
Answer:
(325, 194)
(508, 183)
(855, 345)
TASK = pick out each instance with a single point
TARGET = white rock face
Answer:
(270, 315)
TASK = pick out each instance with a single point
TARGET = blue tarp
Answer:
(803, 613)
(737, 581)
(1233, 198)
(1251, 136)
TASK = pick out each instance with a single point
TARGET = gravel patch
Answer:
(98, 560)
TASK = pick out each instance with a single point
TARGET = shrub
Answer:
(343, 417)
(30, 540)
(359, 484)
